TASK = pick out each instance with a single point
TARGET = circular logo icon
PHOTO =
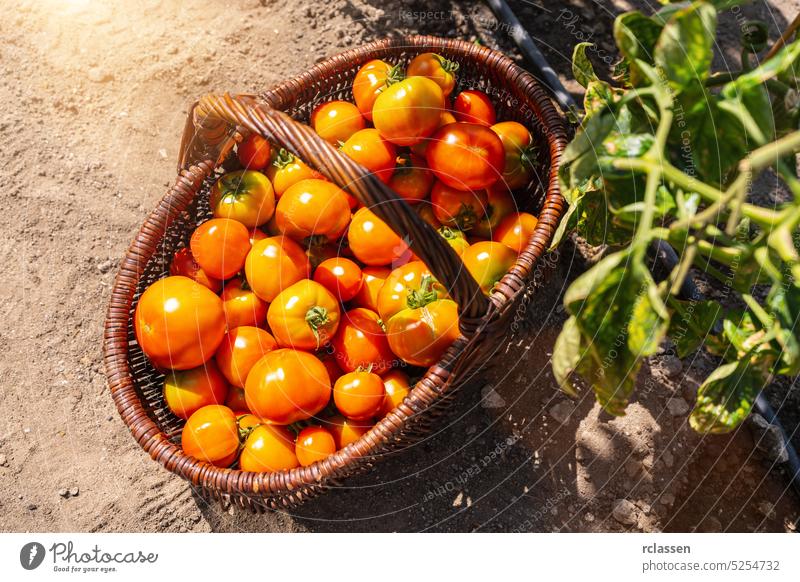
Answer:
(31, 555)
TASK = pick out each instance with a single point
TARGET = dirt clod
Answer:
(625, 512)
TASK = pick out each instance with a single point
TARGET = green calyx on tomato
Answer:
(423, 296)
(283, 158)
(466, 217)
(316, 318)
(447, 65)
(395, 75)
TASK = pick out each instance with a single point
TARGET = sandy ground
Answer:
(93, 96)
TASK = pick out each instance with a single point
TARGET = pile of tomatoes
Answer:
(289, 323)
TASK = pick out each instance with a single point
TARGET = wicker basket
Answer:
(216, 123)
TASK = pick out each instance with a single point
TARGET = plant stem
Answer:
(787, 34)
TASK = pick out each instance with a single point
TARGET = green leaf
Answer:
(783, 61)
(567, 353)
(684, 48)
(692, 323)
(582, 68)
(784, 304)
(636, 36)
(726, 397)
(649, 321)
(598, 96)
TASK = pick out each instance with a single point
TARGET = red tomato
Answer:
(488, 262)
(466, 156)
(361, 342)
(408, 286)
(376, 154)
(359, 395)
(287, 170)
(211, 434)
(474, 107)
(314, 443)
(412, 179)
(420, 336)
(254, 152)
(436, 68)
(313, 208)
(515, 230)
(268, 448)
(236, 402)
(520, 153)
(274, 264)
(346, 431)
(183, 264)
(370, 80)
(241, 305)
(220, 246)
(458, 208)
(420, 148)
(179, 323)
(425, 212)
(342, 277)
(373, 242)
(246, 196)
(500, 205)
(395, 383)
(408, 111)
(336, 121)
(241, 348)
(188, 391)
(285, 386)
(304, 316)
(373, 278)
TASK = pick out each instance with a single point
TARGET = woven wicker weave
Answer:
(216, 123)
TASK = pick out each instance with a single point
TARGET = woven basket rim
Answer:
(425, 393)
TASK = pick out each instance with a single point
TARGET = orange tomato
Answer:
(455, 238)
(329, 361)
(466, 156)
(254, 152)
(313, 208)
(458, 208)
(412, 179)
(336, 121)
(241, 305)
(183, 264)
(245, 196)
(420, 336)
(236, 402)
(256, 235)
(436, 68)
(372, 78)
(372, 281)
(408, 286)
(247, 420)
(241, 348)
(408, 111)
(187, 391)
(274, 264)
(520, 153)
(287, 170)
(341, 276)
(220, 246)
(346, 431)
(179, 324)
(211, 434)
(373, 242)
(376, 154)
(304, 316)
(474, 106)
(420, 148)
(359, 395)
(361, 342)
(395, 383)
(285, 386)
(500, 204)
(268, 448)
(488, 262)
(515, 230)
(314, 443)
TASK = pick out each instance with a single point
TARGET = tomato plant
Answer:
(408, 111)
(246, 196)
(466, 156)
(220, 246)
(274, 264)
(187, 391)
(304, 316)
(240, 349)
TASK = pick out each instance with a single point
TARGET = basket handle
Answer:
(255, 116)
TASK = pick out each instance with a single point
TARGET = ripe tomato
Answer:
(488, 262)
(286, 170)
(515, 230)
(408, 287)
(408, 111)
(425, 212)
(455, 238)
(466, 156)
(313, 208)
(371, 79)
(474, 106)
(318, 253)
(419, 336)
(420, 148)
(183, 264)
(376, 154)
(220, 246)
(187, 391)
(346, 431)
(254, 152)
(336, 121)
(241, 348)
(500, 205)
(373, 242)
(372, 281)
(361, 342)
(304, 316)
(179, 323)
(245, 196)
(395, 383)
(340, 276)
(236, 402)
(520, 153)
(256, 235)
(285, 386)
(268, 448)
(211, 434)
(274, 264)
(458, 208)
(436, 68)
(314, 443)
(412, 179)
(359, 395)
(328, 359)
(241, 305)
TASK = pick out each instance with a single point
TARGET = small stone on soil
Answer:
(667, 499)
(561, 411)
(669, 459)
(3, 461)
(491, 399)
(671, 365)
(98, 75)
(74, 491)
(624, 512)
(677, 406)
(63, 493)
(105, 266)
